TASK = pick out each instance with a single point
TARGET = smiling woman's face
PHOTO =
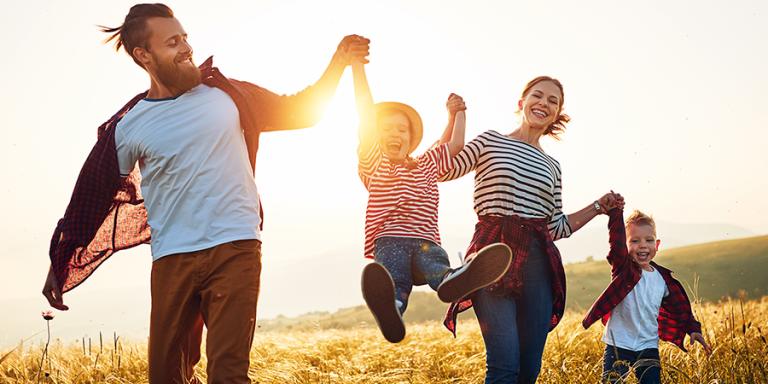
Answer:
(541, 105)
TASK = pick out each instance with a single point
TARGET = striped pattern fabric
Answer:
(513, 178)
(402, 197)
(675, 315)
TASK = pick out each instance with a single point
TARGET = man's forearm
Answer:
(305, 108)
(329, 80)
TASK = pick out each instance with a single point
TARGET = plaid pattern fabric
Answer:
(675, 315)
(515, 232)
(106, 213)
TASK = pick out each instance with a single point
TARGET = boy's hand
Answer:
(353, 48)
(619, 199)
(698, 337)
(455, 104)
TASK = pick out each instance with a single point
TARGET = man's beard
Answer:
(179, 78)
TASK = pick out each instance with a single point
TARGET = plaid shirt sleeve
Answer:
(675, 315)
(623, 276)
(105, 213)
(618, 256)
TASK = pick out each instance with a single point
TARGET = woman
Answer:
(518, 202)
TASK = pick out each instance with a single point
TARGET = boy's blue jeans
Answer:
(406, 257)
(647, 371)
(515, 329)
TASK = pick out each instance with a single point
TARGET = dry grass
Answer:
(736, 330)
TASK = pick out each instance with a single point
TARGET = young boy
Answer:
(401, 232)
(642, 303)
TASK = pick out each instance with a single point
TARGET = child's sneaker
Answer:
(379, 295)
(489, 265)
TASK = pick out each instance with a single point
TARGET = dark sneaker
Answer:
(379, 295)
(489, 265)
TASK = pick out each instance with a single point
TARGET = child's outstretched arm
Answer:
(457, 110)
(457, 138)
(618, 256)
(364, 101)
(454, 104)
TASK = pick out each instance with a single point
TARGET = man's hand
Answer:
(455, 104)
(52, 292)
(353, 48)
(699, 338)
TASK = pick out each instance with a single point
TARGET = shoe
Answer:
(489, 265)
(379, 295)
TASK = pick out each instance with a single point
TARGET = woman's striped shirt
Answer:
(513, 178)
(402, 200)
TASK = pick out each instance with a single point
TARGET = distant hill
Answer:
(593, 240)
(722, 268)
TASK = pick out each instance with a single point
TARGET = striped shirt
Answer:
(402, 201)
(513, 178)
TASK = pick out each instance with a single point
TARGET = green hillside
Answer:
(723, 268)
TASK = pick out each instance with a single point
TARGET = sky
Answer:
(666, 98)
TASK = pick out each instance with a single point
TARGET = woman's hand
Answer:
(611, 200)
(455, 104)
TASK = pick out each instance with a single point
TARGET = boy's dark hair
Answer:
(133, 33)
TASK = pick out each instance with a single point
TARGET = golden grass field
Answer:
(736, 330)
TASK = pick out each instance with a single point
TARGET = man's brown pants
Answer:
(216, 287)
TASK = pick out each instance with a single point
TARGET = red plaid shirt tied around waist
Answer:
(675, 315)
(515, 232)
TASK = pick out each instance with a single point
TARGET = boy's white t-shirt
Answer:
(634, 323)
(197, 182)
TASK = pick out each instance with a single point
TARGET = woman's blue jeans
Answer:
(515, 329)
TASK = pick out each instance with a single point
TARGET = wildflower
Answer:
(48, 315)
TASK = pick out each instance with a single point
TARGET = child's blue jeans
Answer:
(409, 260)
(647, 370)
